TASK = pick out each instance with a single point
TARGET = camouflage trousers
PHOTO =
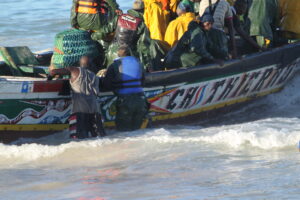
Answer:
(131, 111)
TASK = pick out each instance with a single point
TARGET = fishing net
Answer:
(70, 46)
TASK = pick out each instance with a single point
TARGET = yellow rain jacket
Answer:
(156, 19)
(290, 18)
(178, 27)
(173, 5)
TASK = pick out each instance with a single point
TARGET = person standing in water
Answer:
(85, 109)
(125, 77)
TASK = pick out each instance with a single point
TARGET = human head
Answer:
(138, 5)
(84, 61)
(207, 21)
(184, 6)
(241, 7)
(123, 51)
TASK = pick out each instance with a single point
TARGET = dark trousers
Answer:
(131, 111)
(87, 123)
(218, 45)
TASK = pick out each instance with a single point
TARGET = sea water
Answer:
(251, 153)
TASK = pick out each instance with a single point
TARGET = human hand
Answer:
(119, 12)
(102, 73)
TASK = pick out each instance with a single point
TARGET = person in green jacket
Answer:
(193, 47)
(92, 15)
(263, 17)
(95, 16)
(131, 31)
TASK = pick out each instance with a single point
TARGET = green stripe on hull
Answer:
(12, 107)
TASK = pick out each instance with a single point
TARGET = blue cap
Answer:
(206, 17)
(186, 6)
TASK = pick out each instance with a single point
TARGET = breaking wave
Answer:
(263, 135)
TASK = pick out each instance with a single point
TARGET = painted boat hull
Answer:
(34, 106)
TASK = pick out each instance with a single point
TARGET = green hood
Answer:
(136, 13)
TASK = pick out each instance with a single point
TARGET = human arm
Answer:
(107, 80)
(143, 46)
(73, 17)
(107, 31)
(73, 71)
(243, 34)
(203, 47)
(143, 76)
(229, 25)
(114, 6)
(199, 45)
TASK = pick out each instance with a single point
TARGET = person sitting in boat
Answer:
(179, 26)
(85, 110)
(125, 77)
(289, 19)
(221, 11)
(239, 9)
(157, 15)
(193, 47)
(263, 17)
(92, 14)
(156, 19)
(131, 31)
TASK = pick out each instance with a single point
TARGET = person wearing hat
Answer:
(193, 47)
(222, 13)
(179, 26)
(131, 31)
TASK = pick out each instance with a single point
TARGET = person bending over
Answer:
(85, 109)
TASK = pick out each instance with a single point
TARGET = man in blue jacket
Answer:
(125, 76)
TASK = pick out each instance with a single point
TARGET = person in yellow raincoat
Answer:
(156, 19)
(290, 18)
(179, 26)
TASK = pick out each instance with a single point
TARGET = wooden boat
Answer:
(33, 107)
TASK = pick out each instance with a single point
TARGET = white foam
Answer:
(35, 151)
(261, 134)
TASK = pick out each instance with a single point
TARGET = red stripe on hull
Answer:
(49, 86)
